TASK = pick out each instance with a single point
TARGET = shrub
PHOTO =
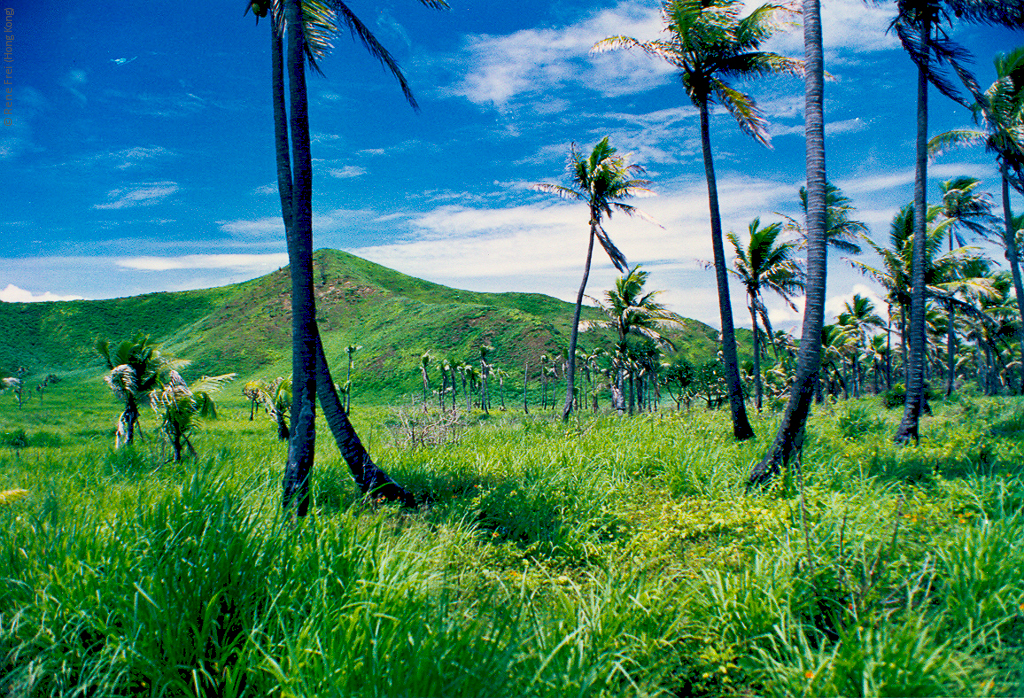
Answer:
(895, 396)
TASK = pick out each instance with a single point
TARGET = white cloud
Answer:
(255, 263)
(533, 61)
(13, 294)
(138, 195)
(347, 171)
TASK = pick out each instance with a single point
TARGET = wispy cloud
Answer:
(347, 172)
(146, 194)
(255, 263)
(13, 294)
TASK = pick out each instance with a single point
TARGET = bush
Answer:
(895, 396)
(14, 439)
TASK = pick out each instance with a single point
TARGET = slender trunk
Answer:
(757, 357)
(526, 373)
(372, 481)
(741, 428)
(908, 429)
(1010, 241)
(570, 372)
(788, 444)
(300, 259)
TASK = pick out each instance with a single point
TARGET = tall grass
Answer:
(606, 556)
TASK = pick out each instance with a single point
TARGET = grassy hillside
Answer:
(245, 328)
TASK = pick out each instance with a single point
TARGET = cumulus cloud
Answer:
(13, 294)
(146, 194)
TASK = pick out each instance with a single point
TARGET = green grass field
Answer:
(607, 556)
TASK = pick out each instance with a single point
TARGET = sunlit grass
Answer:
(605, 556)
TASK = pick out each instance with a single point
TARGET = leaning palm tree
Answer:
(601, 179)
(710, 43)
(1000, 111)
(309, 26)
(788, 443)
(921, 26)
(763, 264)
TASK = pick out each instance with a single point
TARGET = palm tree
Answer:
(788, 443)
(136, 366)
(424, 362)
(966, 208)
(921, 28)
(633, 313)
(601, 179)
(1000, 110)
(841, 232)
(309, 26)
(857, 319)
(765, 264)
(710, 44)
(179, 404)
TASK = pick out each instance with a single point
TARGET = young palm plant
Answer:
(179, 404)
(601, 179)
(765, 264)
(710, 43)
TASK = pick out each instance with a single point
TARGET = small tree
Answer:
(179, 404)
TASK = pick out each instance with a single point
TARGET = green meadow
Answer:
(605, 556)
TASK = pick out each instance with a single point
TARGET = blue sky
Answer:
(139, 156)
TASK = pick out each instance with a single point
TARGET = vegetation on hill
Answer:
(245, 328)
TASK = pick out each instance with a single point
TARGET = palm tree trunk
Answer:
(570, 372)
(526, 373)
(788, 443)
(372, 481)
(1009, 239)
(298, 220)
(741, 428)
(757, 357)
(908, 428)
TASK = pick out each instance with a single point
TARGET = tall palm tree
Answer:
(309, 26)
(710, 44)
(787, 446)
(1000, 110)
(765, 264)
(601, 179)
(921, 26)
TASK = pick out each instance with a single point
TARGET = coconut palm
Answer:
(921, 26)
(179, 404)
(632, 313)
(841, 232)
(710, 44)
(1000, 111)
(857, 319)
(763, 264)
(136, 366)
(788, 443)
(309, 26)
(601, 179)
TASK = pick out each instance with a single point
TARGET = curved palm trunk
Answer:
(371, 479)
(1011, 256)
(788, 442)
(908, 428)
(570, 371)
(741, 428)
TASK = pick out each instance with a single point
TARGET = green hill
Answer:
(245, 328)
